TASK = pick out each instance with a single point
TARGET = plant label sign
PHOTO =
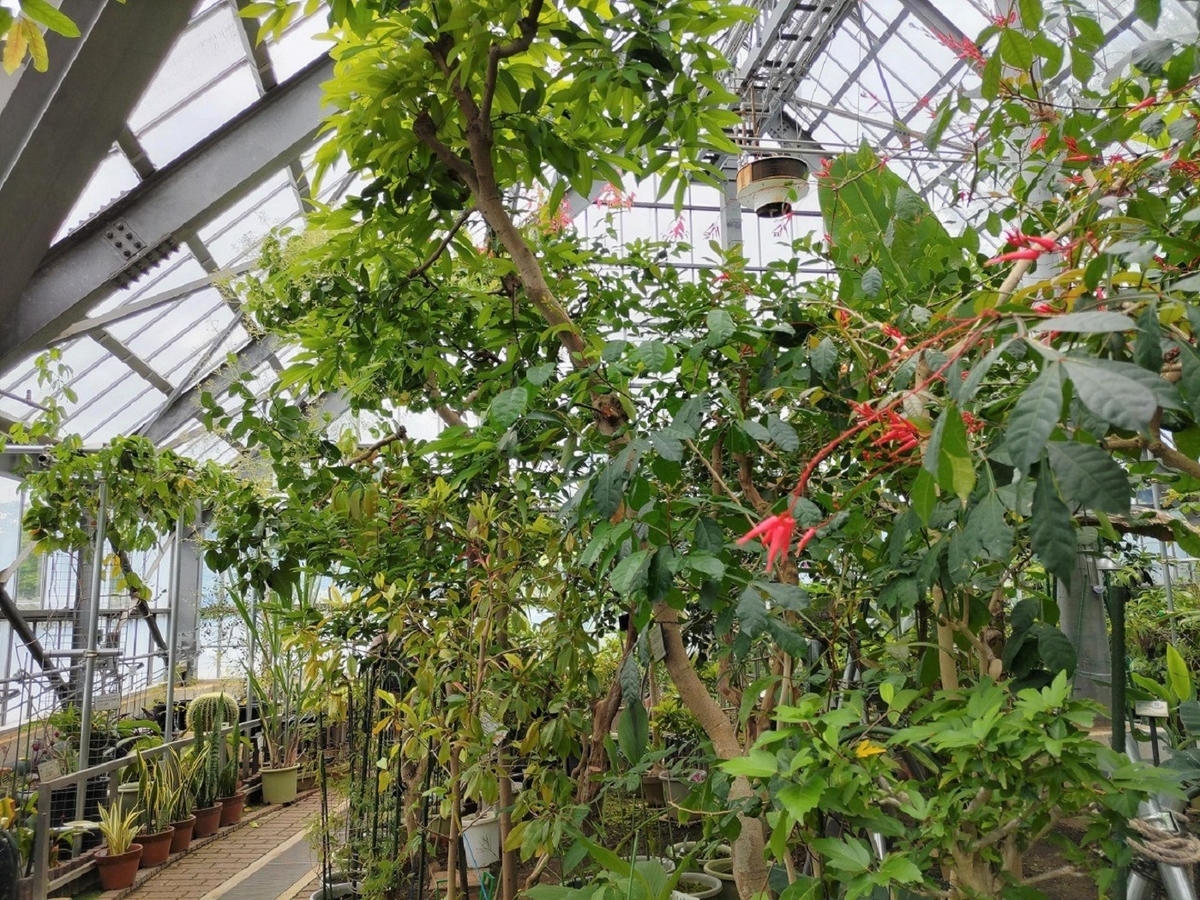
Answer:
(1151, 709)
(654, 636)
(107, 702)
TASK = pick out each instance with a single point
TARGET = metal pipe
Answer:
(1116, 597)
(173, 629)
(89, 659)
(1165, 555)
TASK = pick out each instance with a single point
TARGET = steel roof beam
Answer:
(85, 267)
(93, 85)
(186, 406)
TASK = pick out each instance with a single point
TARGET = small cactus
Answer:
(206, 709)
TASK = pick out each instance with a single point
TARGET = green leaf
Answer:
(608, 492)
(1015, 49)
(924, 495)
(1091, 322)
(1031, 14)
(790, 596)
(956, 469)
(990, 85)
(979, 372)
(653, 355)
(706, 565)
(823, 357)
(1148, 11)
(1051, 530)
(783, 434)
(630, 573)
(1034, 417)
(1152, 56)
(752, 612)
(1178, 679)
(755, 764)
(720, 326)
(1147, 349)
(849, 855)
(633, 731)
(1189, 715)
(872, 282)
(508, 406)
(1189, 383)
(1055, 649)
(1090, 477)
(1116, 399)
(990, 529)
(42, 11)
(801, 799)
(540, 374)
(756, 430)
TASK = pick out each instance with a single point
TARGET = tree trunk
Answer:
(749, 866)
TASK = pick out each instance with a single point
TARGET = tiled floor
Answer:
(266, 858)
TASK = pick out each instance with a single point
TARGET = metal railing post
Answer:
(173, 629)
(41, 847)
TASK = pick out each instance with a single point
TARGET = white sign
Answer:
(1151, 709)
(107, 702)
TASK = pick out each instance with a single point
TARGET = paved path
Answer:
(266, 858)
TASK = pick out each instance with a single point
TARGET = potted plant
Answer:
(229, 779)
(202, 762)
(282, 691)
(154, 808)
(118, 861)
(179, 775)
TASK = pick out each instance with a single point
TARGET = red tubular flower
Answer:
(1049, 245)
(808, 536)
(1038, 142)
(776, 534)
(1149, 101)
(1015, 254)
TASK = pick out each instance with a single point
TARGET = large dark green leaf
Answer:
(979, 372)
(1034, 417)
(752, 611)
(924, 495)
(956, 468)
(783, 434)
(991, 531)
(1051, 531)
(1189, 384)
(633, 731)
(508, 406)
(1147, 349)
(630, 573)
(872, 282)
(1090, 477)
(1148, 11)
(1164, 392)
(823, 357)
(1116, 399)
(1055, 650)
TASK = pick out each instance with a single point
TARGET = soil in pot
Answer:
(279, 785)
(118, 872)
(232, 808)
(155, 847)
(208, 820)
(182, 838)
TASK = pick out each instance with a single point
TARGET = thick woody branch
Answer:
(1168, 456)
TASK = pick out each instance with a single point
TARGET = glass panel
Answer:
(198, 118)
(210, 45)
(299, 47)
(237, 232)
(112, 178)
(179, 269)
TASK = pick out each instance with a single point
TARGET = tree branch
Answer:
(442, 245)
(1168, 456)
(528, 26)
(425, 130)
(370, 452)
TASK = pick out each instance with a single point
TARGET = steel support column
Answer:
(85, 267)
(93, 84)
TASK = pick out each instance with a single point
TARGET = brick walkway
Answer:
(265, 858)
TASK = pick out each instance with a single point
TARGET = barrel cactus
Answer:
(207, 709)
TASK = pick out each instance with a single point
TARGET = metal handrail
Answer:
(42, 829)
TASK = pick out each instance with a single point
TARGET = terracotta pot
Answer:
(232, 807)
(208, 820)
(155, 847)
(118, 872)
(182, 838)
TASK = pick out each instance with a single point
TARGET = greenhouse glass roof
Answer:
(139, 174)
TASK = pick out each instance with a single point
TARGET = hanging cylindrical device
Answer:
(771, 185)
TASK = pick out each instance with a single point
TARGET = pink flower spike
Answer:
(767, 524)
(780, 539)
(1015, 254)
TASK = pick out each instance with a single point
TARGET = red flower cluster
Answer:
(965, 48)
(900, 433)
(1032, 246)
(776, 533)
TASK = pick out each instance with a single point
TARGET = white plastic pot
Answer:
(699, 885)
(481, 839)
